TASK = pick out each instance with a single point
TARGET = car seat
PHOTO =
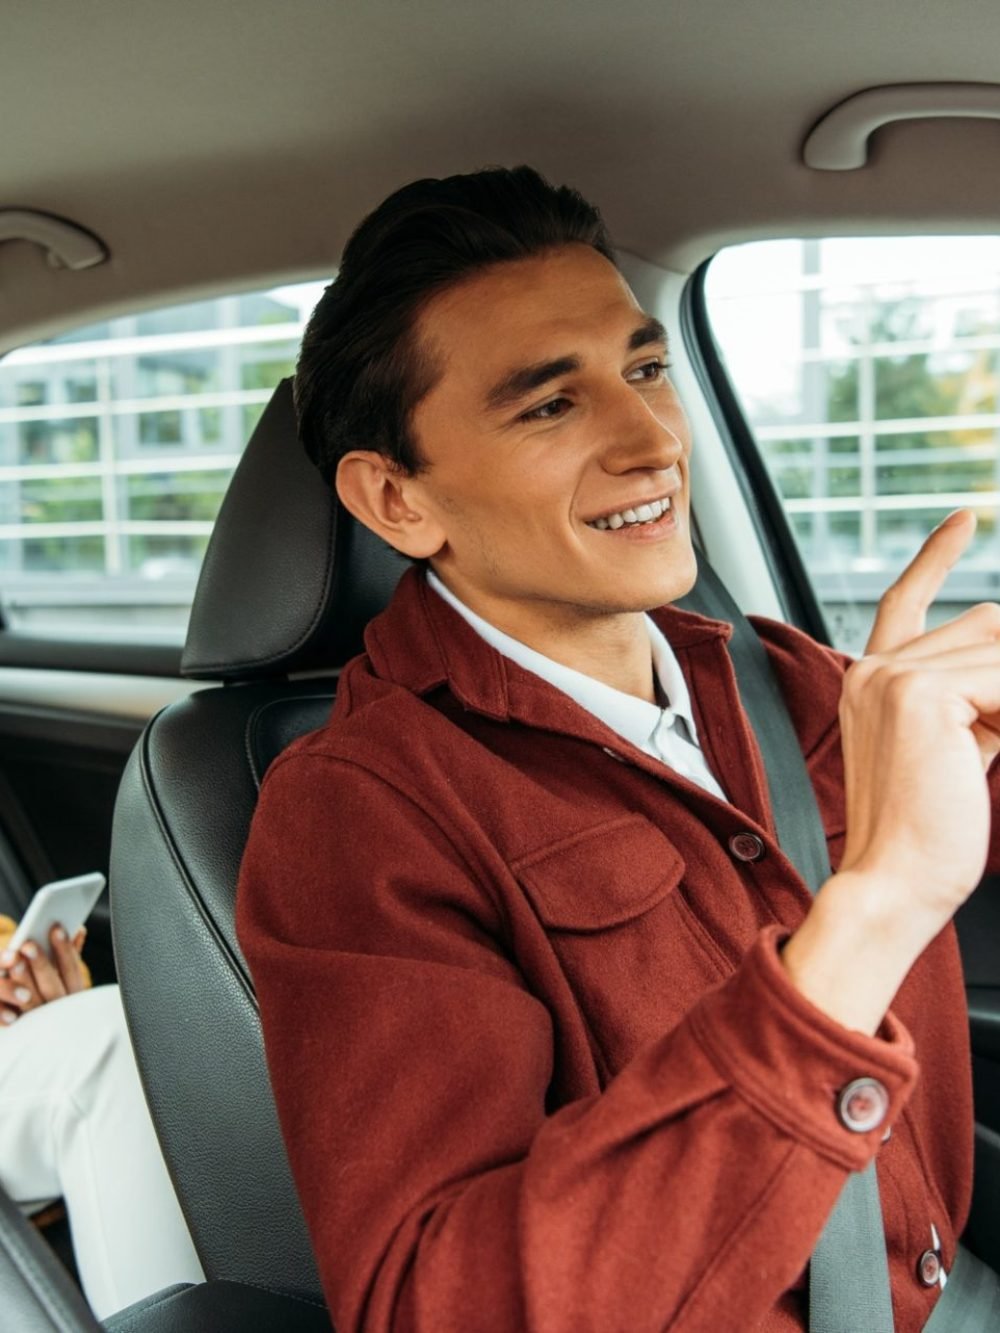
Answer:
(287, 586)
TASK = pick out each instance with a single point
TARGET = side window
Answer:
(868, 371)
(117, 442)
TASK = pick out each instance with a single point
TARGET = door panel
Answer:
(64, 740)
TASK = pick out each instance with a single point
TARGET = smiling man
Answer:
(559, 1039)
(554, 521)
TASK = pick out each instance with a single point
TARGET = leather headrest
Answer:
(289, 580)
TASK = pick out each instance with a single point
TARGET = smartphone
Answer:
(65, 902)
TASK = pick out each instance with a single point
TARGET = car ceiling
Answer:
(212, 145)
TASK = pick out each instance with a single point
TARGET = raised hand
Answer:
(920, 721)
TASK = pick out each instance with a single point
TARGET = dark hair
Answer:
(360, 372)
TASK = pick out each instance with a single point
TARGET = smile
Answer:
(644, 513)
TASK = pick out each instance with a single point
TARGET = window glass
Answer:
(869, 371)
(117, 442)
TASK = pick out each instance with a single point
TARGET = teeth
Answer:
(644, 513)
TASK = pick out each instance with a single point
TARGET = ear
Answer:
(389, 502)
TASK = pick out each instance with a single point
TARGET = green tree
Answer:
(904, 386)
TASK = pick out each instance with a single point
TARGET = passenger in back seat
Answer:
(558, 1037)
(74, 1125)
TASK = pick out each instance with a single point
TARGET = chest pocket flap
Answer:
(601, 877)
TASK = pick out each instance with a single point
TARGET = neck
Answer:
(612, 648)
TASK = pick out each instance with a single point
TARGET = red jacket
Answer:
(535, 1057)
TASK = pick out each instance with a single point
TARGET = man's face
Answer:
(552, 411)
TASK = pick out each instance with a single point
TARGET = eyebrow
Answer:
(518, 383)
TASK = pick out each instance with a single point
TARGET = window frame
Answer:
(788, 570)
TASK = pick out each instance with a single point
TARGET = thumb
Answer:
(902, 610)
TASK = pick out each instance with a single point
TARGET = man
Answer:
(558, 1037)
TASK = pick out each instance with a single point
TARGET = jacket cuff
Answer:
(832, 1088)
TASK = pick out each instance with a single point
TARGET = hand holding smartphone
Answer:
(36, 968)
(65, 902)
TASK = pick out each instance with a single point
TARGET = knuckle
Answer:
(904, 688)
(860, 673)
(987, 614)
(878, 680)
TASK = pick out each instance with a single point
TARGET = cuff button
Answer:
(863, 1105)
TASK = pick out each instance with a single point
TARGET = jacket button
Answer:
(863, 1105)
(746, 846)
(929, 1268)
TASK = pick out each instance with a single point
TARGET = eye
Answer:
(651, 371)
(544, 413)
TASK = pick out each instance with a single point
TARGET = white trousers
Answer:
(74, 1122)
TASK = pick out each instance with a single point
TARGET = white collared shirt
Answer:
(668, 734)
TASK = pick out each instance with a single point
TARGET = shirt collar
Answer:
(631, 718)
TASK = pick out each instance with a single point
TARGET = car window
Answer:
(117, 442)
(868, 372)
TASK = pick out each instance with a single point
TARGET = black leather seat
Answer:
(287, 587)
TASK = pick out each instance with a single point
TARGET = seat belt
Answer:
(849, 1272)
(849, 1289)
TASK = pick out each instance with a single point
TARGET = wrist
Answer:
(855, 947)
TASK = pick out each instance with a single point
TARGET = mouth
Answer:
(635, 516)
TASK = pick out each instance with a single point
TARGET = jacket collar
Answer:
(421, 643)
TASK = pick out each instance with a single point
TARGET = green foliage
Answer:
(904, 386)
(59, 554)
(266, 374)
(61, 500)
(72, 440)
(176, 496)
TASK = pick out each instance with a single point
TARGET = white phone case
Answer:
(66, 902)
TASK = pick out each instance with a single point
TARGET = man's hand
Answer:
(30, 979)
(902, 614)
(920, 719)
(919, 716)
(903, 607)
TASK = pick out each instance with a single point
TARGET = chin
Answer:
(673, 584)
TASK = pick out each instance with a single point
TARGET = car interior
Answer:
(169, 155)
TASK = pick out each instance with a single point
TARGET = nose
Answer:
(637, 436)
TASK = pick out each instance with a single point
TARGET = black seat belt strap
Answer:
(849, 1287)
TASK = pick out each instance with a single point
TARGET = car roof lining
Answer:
(208, 154)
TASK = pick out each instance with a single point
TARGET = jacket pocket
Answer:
(602, 877)
(611, 902)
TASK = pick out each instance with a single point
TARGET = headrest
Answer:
(289, 580)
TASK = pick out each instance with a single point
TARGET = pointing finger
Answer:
(902, 611)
